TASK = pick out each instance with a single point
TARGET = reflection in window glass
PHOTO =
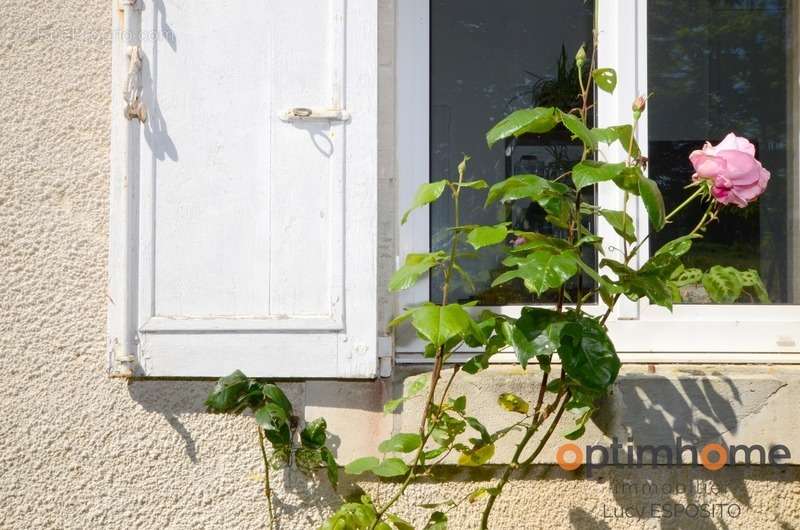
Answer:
(487, 60)
(717, 66)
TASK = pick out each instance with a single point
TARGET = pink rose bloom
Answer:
(736, 176)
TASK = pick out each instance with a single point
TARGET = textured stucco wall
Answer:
(78, 450)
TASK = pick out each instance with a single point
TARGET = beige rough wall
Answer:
(78, 450)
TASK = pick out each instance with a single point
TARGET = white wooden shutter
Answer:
(243, 233)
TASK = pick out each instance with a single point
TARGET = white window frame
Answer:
(642, 332)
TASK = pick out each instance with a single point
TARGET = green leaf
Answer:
(391, 467)
(426, 194)
(400, 443)
(416, 265)
(526, 186)
(543, 270)
(591, 172)
(628, 180)
(588, 355)
(653, 202)
(537, 120)
(621, 222)
(398, 523)
(392, 404)
(688, 277)
(485, 236)
(271, 417)
(578, 128)
(480, 427)
(723, 284)
(627, 140)
(314, 435)
(678, 246)
(438, 324)
(513, 403)
(437, 521)
(477, 457)
(750, 278)
(605, 79)
(274, 394)
(227, 393)
(576, 433)
(331, 467)
(475, 184)
(361, 465)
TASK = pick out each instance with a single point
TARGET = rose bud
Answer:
(580, 57)
(736, 176)
(639, 104)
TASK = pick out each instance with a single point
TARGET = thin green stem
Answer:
(267, 487)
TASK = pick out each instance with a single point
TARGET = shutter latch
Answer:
(308, 114)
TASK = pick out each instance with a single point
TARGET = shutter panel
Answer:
(243, 229)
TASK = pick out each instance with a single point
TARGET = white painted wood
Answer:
(243, 220)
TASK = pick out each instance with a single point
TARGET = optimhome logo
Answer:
(711, 456)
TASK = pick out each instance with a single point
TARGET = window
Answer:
(727, 65)
(244, 208)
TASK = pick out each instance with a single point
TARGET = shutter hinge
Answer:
(385, 355)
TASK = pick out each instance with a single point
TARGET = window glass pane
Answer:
(488, 59)
(717, 66)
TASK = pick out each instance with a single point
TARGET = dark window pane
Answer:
(715, 67)
(488, 59)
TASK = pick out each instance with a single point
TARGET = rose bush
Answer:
(568, 346)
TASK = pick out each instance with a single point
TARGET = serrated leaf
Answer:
(391, 467)
(513, 403)
(653, 202)
(536, 120)
(621, 222)
(361, 465)
(415, 266)
(485, 236)
(543, 270)
(438, 324)
(578, 128)
(400, 443)
(477, 457)
(426, 194)
(591, 172)
(588, 355)
(678, 246)
(605, 79)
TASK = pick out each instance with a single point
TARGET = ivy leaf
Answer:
(438, 324)
(331, 467)
(391, 467)
(591, 172)
(271, 417)
(400, 443)
(513, 403)
(621, 222)
(361, 465)
(415, 266)
(588, 355)
(274, 394)
(313, 435)
(426, 194)
(723, 284)
(653, 202)
(543, 270)
(536, 120)
(605, 79)
(227, 393)
(485, 236)
(578, 128)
